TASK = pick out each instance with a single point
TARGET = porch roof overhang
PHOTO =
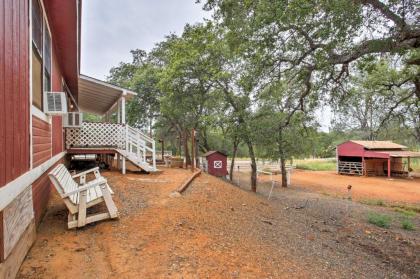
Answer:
(99, 97)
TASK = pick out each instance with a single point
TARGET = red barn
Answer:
(216, 163)
(373, 158)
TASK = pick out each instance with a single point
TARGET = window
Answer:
(37, 25)
(41, 56)
(217, 164)
(47, 59)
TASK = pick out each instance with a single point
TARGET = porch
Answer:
(112, 137)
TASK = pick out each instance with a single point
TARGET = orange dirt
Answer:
(216, 230)
(156, 236)
(395, 190)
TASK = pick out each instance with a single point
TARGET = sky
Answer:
(111, 28)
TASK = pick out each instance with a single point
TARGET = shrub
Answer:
(374, 202)
(379, 220)
(407, 225)
(318, 165)
(405, 212)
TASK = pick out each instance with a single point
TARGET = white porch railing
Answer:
(109, 135)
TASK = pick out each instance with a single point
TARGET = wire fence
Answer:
(267, 180)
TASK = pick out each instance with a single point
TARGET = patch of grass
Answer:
(379, 220)
(415, 164)
(407, 207)
(405, 212)
(316, 165)
(406, 224)
(373, 202)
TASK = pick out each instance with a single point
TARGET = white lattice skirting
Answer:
(96, 134)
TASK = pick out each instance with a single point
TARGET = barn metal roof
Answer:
(98, 97)
(379, 144)
(402, 154)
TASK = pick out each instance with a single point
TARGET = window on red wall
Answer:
(41, 55)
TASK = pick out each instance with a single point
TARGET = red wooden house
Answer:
(216, 163)
(42, 97)
(373, 158)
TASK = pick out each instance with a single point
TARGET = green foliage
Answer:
(317, 165)
(373, 202)
(406, 224)
(88, 117)
(405, 212)
(379, 220)
(252, 79)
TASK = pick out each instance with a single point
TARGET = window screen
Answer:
(47, 60)
(37, 26)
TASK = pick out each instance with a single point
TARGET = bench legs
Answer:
(110, 205)
(80, 219)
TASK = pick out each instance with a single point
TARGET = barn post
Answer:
(389, 167)
(336, 159)
(363, 166)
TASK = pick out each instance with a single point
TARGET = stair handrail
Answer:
(140, 140)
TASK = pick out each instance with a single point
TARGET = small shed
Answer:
(216, 163)
(373, 158)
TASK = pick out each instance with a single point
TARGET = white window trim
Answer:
(40, 114)
(45, 18)
(218, 164)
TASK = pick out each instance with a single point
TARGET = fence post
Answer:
(238, 176)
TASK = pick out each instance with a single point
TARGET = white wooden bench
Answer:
(79, 197)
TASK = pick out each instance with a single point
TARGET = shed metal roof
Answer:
(212, 152)
(379, 144)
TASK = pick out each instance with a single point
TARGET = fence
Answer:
(267, 181)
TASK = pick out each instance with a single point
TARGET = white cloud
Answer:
(110, 29)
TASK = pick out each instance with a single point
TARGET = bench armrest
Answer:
(85, 187)
(84, 172)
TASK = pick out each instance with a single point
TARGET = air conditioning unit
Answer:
(73, 120)
(55, 103)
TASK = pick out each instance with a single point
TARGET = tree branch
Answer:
(383, 9)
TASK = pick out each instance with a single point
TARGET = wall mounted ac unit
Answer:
(73, 120)
(55, 103)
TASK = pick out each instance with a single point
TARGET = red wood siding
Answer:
(14, 89)
(1, 238)
(40, 194)
(57, 135)
(57, 127)
(41, 136)
(350, 149)
(41, 190)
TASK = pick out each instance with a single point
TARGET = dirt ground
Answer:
(395, 190)
(217, 230)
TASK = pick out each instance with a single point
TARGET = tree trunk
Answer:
(253, 166)
(232, 164)
(283, 171)
(282, 159)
